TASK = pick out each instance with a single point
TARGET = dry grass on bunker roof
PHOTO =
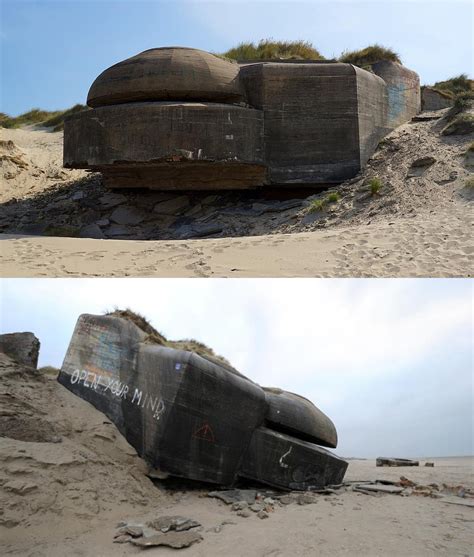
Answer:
(155, 337)
(268, 49)
(369, 55)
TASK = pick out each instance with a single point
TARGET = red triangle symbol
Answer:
(205, 432)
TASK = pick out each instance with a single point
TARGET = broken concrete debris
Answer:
(172, 531)
(383, 461)
(229, 126)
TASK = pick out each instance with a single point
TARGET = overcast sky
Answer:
(389, 361)
(52, 50)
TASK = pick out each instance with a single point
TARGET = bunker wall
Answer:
(160, 131)
(372, 112)
(310, 113)
(403, 92)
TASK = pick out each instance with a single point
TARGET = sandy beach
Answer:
(68, 466)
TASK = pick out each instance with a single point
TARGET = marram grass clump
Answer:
(49, 119)
(455, 85)
(268, 49)
(369, 55)
(155, 337)
(375, 184)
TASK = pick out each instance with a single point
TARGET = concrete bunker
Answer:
(194, 416)
(183, 119)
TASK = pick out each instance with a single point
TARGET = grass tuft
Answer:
(333, 197)
(375, 185)
(455, 85)
(369, 55)
(268, 49)
(317, 205)
(469, 183)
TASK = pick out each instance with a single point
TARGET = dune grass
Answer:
(155, 337)
(369, 55)
(455, 85)
(268, 49)
(50, 119)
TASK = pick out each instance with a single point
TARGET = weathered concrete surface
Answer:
(295, 415)
(310, 120)
(189, 416)
(21, 347)
(433, 99)
(169, 145)
(176, 73)
(403, 89)
(372, 112)
(322, 121)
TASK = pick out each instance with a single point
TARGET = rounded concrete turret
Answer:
(164, 74)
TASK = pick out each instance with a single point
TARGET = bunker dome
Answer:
(180, 118)
(192, 415)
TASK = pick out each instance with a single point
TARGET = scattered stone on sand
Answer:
(128, 530)
(419, 166)
(177, 523)
(177, 540)
(429, 464)
(122, 539)
(458, 501)
(381, 487)
(230, 496)
(127, 215)
(174, 206)
(256, 507)
(245, 513)
(240, 505)
(263, 514)
(110, 200)
(91, 231)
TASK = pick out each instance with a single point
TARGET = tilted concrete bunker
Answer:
(194, 416)
(180, 118)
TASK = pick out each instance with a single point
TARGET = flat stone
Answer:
(314, 216)
(287, 500)
(174, 206)
(210, 199)
(133, 531)
(381, 487)
(91, 231)
(109, 200)
(122, 539)
(256, 507)
(240, 505)
(117, 230)
(127, 215)
(244, 513)
(177, 540)
(188, 231)
(306, 499)
(262, 514)
(234, 495)
(178, 523)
